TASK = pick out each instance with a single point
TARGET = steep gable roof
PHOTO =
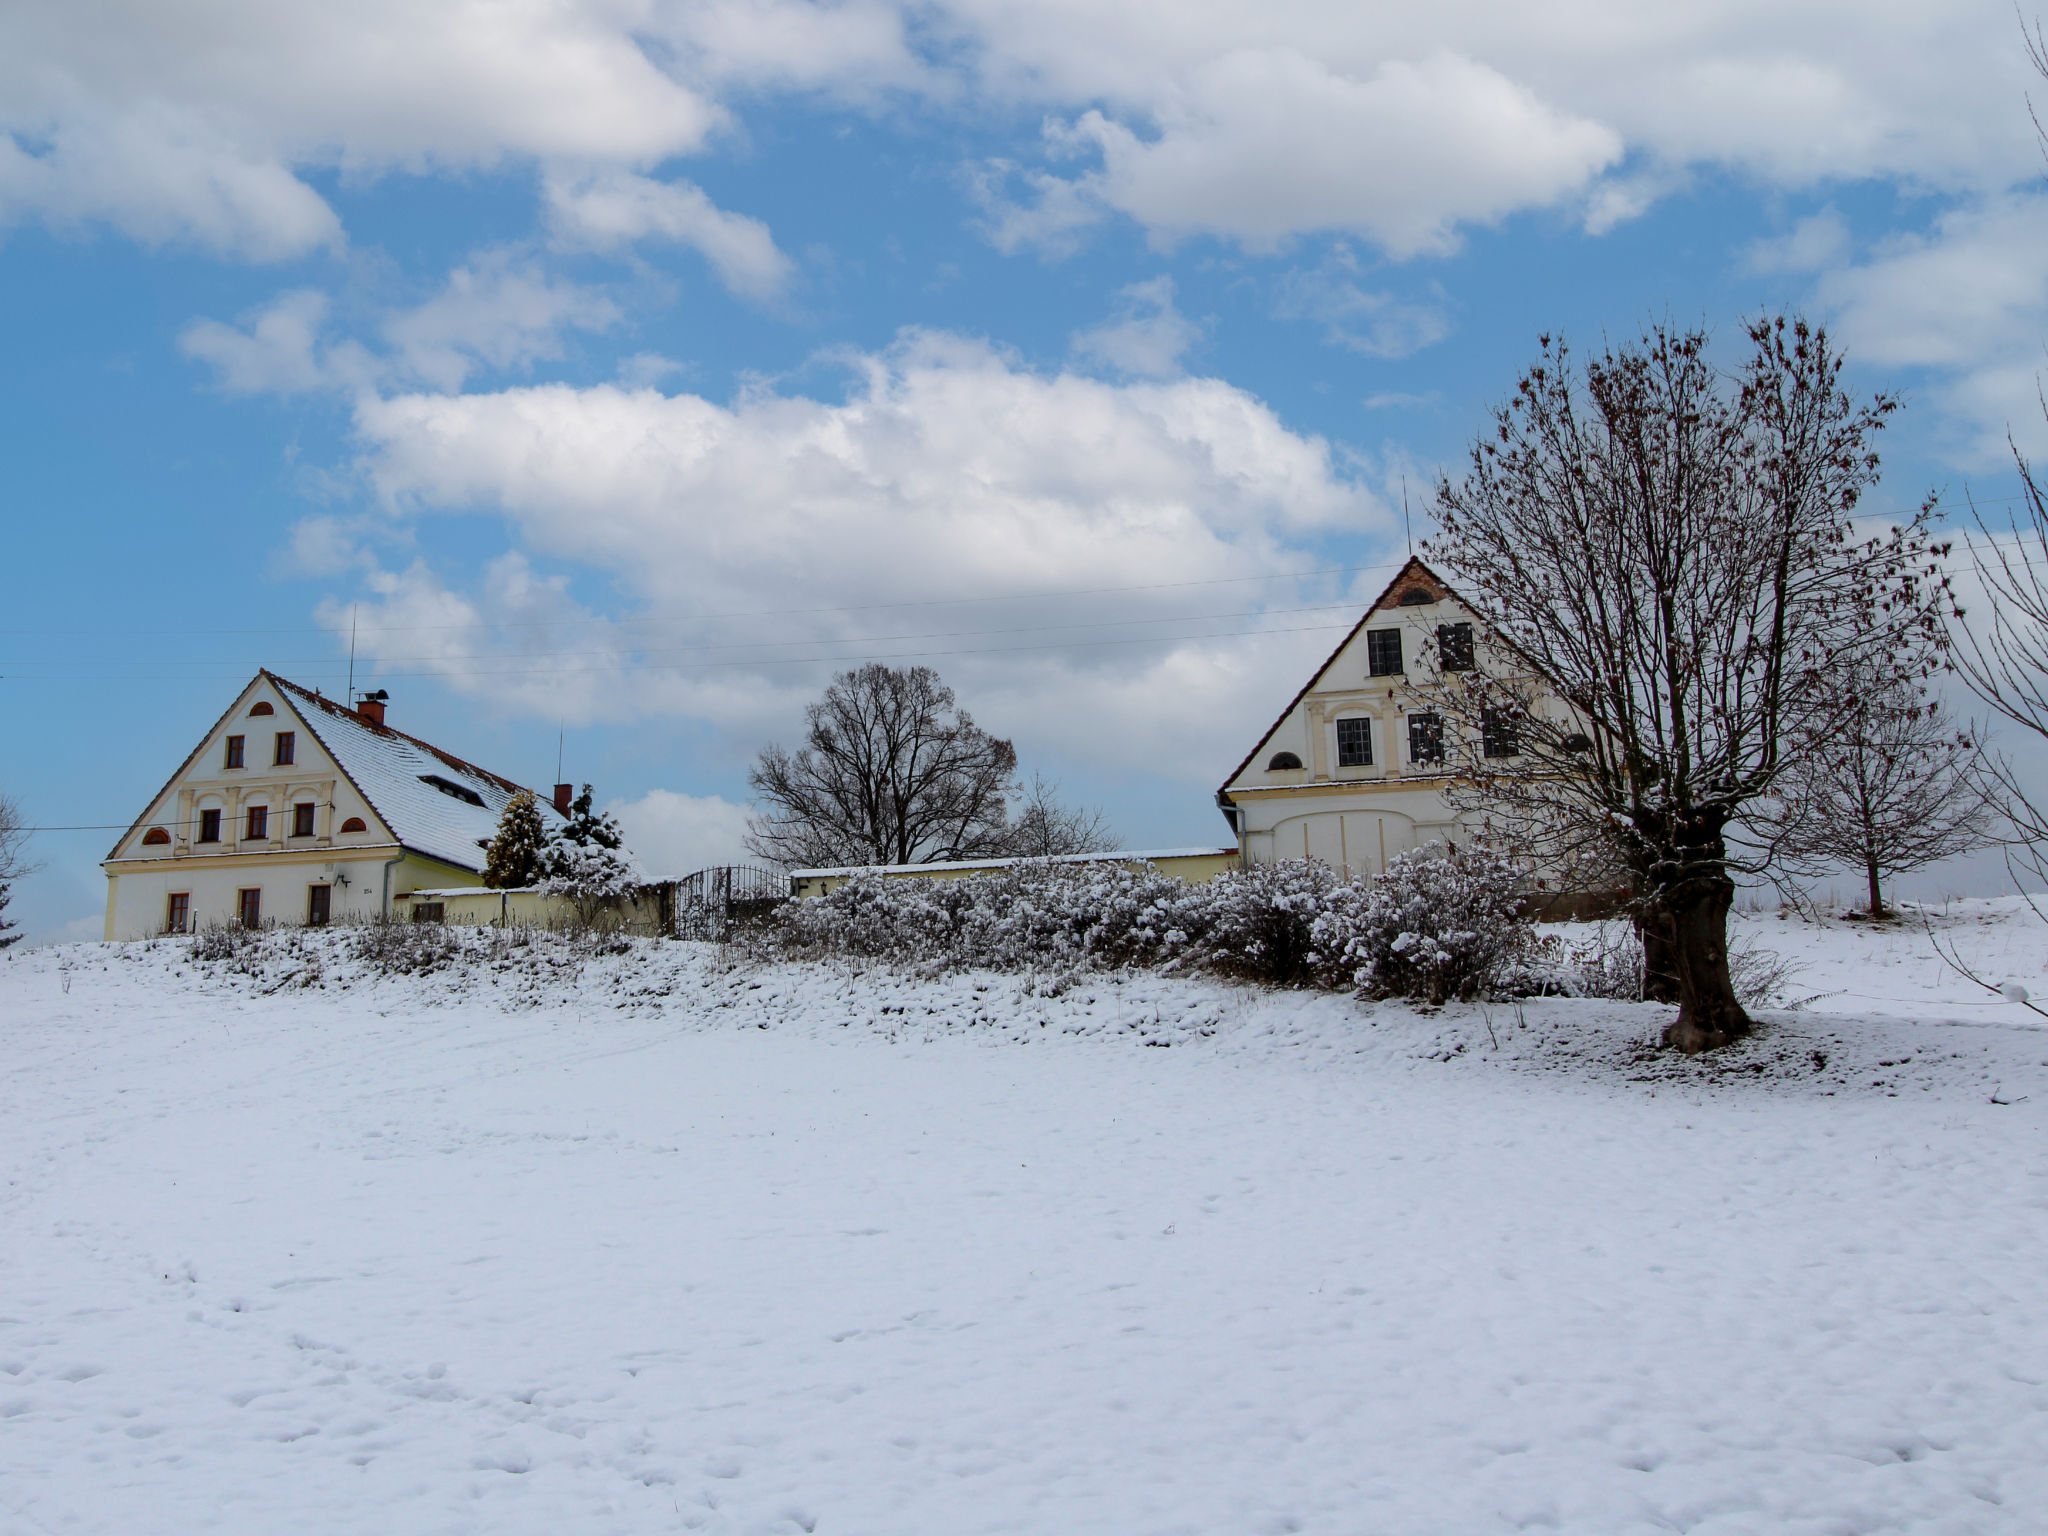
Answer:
(1410, 573)
(397, 775)
(186, 766)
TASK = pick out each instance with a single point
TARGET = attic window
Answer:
(261, 707)
(354, 824)
(1282, 761)
(452, 789)
(1414, 597)
(155, 837)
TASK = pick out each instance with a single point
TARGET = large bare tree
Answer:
(1669, 562)
(891, 771)
(1891, 786)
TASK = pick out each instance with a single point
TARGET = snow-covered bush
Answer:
(1028, 915)
(1262, 923)
(1437, 924)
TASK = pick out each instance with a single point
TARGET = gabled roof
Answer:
(394, 773)
(1412, 571)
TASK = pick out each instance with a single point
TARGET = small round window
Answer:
(155, 837)
(1282, 761)
(354, 824)
(262, 707)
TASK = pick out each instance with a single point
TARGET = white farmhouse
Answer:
(1354, 772)
(296, 808)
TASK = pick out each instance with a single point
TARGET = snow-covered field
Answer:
(668, 1245)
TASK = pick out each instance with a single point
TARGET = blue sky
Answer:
(621, 370)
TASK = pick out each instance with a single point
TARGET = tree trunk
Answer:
(1708, 1013)
(1660, 964)
(1876, 892)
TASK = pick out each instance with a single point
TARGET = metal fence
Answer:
(710, 902)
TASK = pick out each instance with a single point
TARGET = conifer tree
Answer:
(517, 854)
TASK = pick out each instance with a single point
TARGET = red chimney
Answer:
(563, 794)
(371, 706)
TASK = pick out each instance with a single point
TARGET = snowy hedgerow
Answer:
(1035, 914)
(1436, 924)
(1262, 923)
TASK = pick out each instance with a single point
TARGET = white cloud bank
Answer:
(674, 834)
(196, 120)
(946, 510)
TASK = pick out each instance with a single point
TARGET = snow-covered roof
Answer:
(434, 802)
(1121, 856)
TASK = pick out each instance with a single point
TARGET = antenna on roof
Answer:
(351, 700)
(558, 754)
(1405, 523)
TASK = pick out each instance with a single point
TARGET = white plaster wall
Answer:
(140, 896)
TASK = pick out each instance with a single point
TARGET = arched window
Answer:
(261, 707)
(354, 824)
(1281, 761)
(155, 837)
(1414, 597)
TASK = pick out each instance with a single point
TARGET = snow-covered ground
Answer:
(663, 1244)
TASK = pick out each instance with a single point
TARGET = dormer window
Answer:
(232, 757)
(453, 790)
(1282, 762)
(1383, 652)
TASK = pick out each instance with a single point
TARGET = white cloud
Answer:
(608, 209)
(197, 120)
(937, 513)
(1147, 336)
(274, 351)
(1403, 120)
(1262, 145)
(1969, 300)
(1814, 244)
(498, 312)
(1377, 324)
(191, 119)
(674, 834)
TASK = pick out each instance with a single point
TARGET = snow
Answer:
(1120, 856)
(659, 1242)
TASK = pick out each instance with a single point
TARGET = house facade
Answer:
(295, 808)
(1355, 770)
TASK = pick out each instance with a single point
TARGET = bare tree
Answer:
(891, 771)
(1891, 786)
(2004, 659)
(1668, 558)
(1043, 827)
(14, 861)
